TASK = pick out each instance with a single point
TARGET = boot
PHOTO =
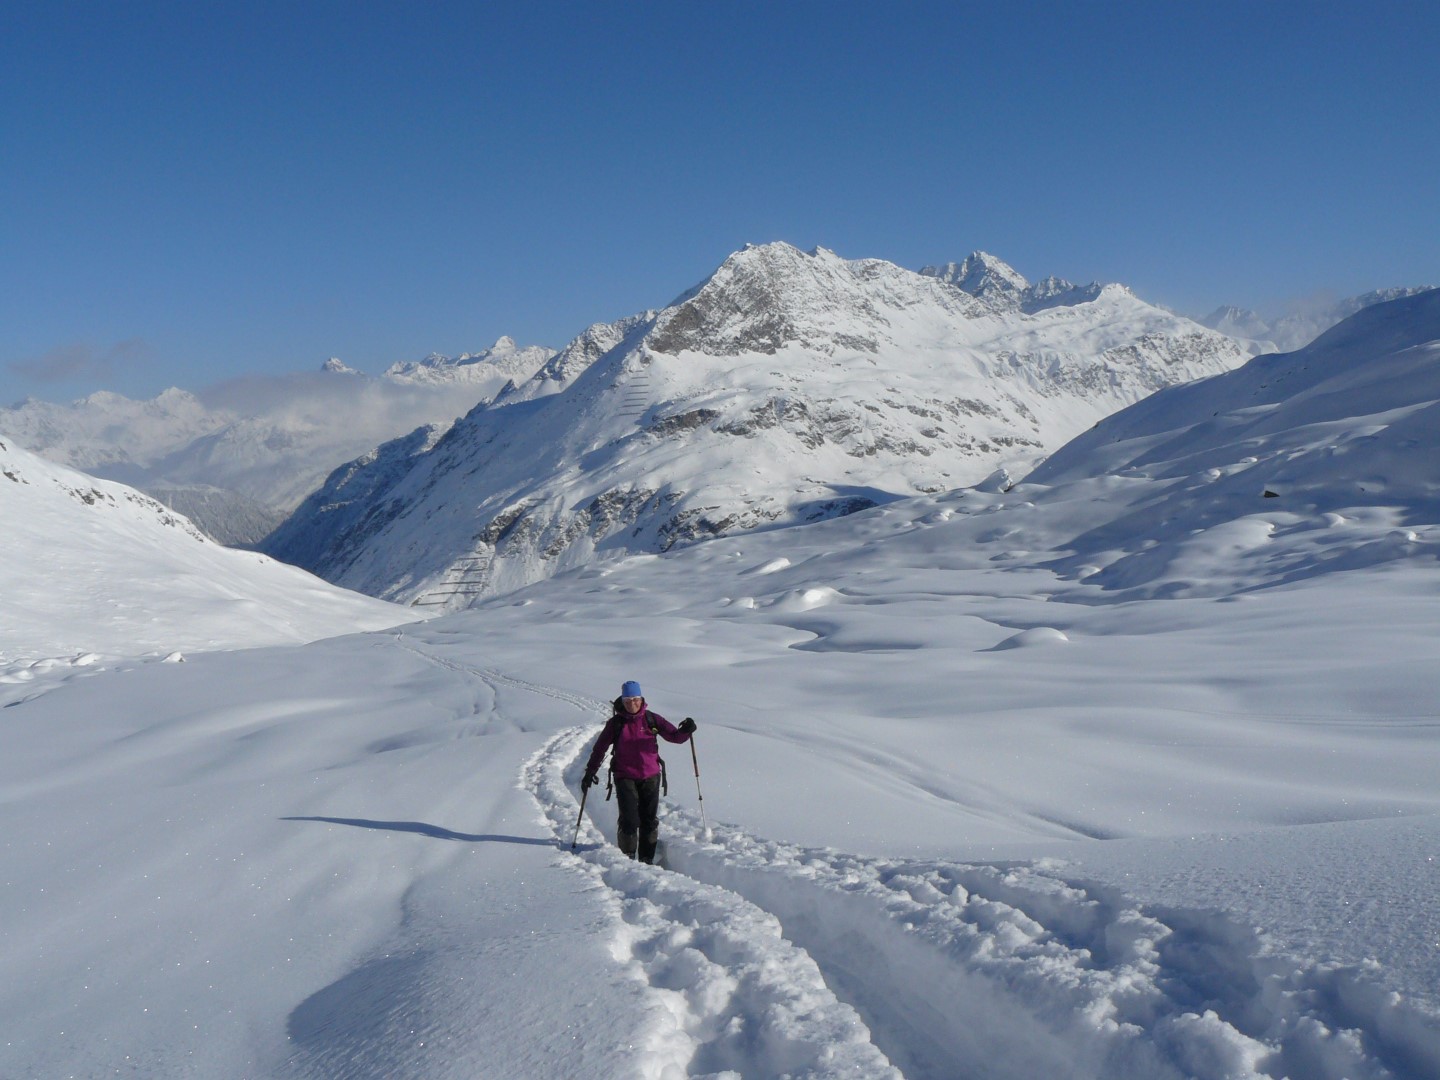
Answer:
(648, 840)
(627, 840)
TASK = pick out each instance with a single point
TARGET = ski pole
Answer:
(584, 794)
(695, 759)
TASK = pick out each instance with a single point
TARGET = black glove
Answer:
(687, 726)
(588, 781)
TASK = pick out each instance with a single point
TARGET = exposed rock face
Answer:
(786, 388)
(764, 299)
(354, 501)
(1004, 289)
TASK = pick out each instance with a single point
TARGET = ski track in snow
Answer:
(743, 1000)
(962, 970)
(768, 959)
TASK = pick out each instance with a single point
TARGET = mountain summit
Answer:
(764, 299)
(1003, 289)
(984, 276)
(787, 387)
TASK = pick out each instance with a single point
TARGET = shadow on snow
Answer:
(434, 831)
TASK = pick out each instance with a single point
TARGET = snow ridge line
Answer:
(733, 995)
(975, 970)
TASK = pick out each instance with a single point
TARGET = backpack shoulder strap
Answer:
(612, 728)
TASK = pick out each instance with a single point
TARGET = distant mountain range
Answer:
(1296, 329)
(487, 372)
(788, 387)
(1045, 358)
(238, 457)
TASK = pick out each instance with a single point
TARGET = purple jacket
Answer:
(637, 753)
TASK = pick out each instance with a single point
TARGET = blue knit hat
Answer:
(631, 689)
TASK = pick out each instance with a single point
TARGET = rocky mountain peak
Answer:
(985, 277)
(787, 387)
(771, 297)
(565, 366)
(1004, 289)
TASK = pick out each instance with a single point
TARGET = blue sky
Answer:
(196, 191)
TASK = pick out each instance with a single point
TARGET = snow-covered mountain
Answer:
(241, 455)
(788, 387)
(1298, 328)
(971, 806)
(1003, 288)
(1315, 460)
(93, 566)
(487, 372)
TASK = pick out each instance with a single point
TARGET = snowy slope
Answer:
(1291, 458)
(268, 441)
(1182, 840)
(788, 387)
(94, 567)
(974, 810)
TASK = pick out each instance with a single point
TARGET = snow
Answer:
(1124, 857)
(1087, 778)
(788, 387)
(263, 440)
(1299, 327)
(93, 567)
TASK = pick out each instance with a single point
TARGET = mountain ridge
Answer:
(787, 387)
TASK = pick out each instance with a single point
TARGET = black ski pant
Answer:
(639, 828)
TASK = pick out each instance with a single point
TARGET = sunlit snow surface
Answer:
(996, 789)
(94, 567)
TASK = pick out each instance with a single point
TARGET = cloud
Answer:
(80, 361)
(382, 408)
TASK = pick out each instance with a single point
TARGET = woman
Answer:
(636, 767)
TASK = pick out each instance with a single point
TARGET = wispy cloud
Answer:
(312, 399)
(81, 361)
